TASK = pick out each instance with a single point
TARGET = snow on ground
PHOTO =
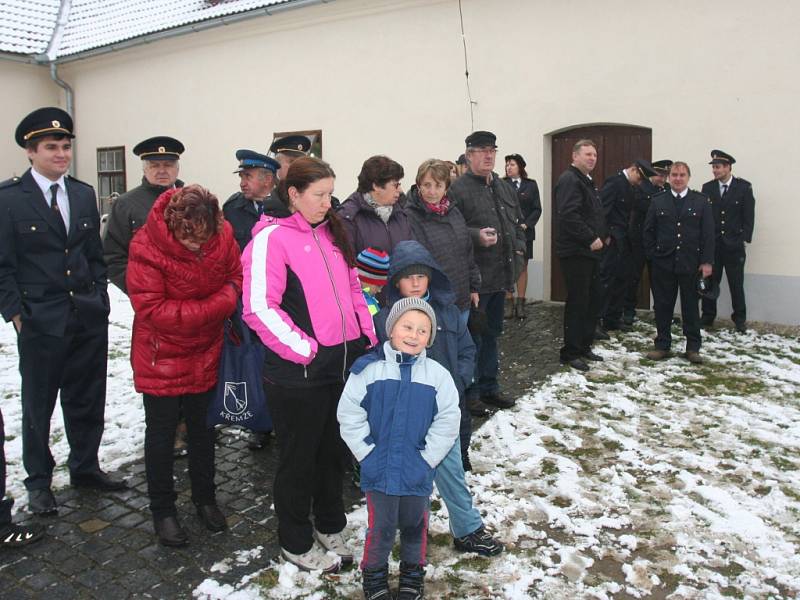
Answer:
(636, 479)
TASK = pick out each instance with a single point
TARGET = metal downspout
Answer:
(50, 57)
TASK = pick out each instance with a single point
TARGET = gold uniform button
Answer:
(33, 227)
(71, 293)
(723, 212)
(69, 272)
(679, 235)
(66, 250)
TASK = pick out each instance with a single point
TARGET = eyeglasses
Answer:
(490, 151)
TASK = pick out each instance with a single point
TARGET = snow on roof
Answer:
(26, 26)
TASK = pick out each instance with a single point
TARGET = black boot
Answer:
(508, 312)
(412, 582)
(375, 583)
(519, 309)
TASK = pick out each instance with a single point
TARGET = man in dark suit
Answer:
(579, 241)
(642, 196)
(53, 288)
(733, 205)
(679, 241)
(618, 197)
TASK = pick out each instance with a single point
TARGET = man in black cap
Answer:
(618, 197)
(242, 210)
(733, 205)
(160, 163)
(53, 288)
(493, 216)
(679, 242)
(581, 235)
(287, 149)
(655, 184)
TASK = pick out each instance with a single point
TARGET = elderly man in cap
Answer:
(493, 216)
(53, 288)
(287, 149)
(733, 206)
(161, 163)
(648, 188)
(618, 197)
(257, 179)
(679, 242)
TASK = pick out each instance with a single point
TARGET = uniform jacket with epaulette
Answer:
(617, 196)
(679, 242)
(642, 196)
(734, 215)
(47, 272)
(128, 213)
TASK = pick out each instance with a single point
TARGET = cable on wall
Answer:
(472, 103)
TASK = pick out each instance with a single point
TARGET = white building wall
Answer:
(380, 76)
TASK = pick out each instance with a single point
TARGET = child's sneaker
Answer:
(480, 542)
(412, 582)
(334, 542)
(316, 559)
(375, 583)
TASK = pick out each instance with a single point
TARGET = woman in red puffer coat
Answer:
(184, 279)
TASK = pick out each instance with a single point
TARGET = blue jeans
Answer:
(486, 358)
(449, 480)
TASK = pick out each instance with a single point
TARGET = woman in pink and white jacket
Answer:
(302, 296)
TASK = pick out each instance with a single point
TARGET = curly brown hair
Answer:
(193, 213)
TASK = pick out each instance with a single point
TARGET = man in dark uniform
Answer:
(618, 196)
(733, 205)
(679, 241)
(161, 163)
(287, 149)
(257, 178)
(579, 241)
(256, 181)
(53, 288)
(642, 196)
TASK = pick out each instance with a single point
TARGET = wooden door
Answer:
(617, 147)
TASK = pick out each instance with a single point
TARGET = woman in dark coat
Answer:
(183, 279)
(531, 206)
(373, 215)
(440, 227)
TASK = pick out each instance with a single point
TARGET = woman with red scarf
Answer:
(441, 228)
(184, 279)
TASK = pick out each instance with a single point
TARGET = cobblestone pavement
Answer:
(101, 545)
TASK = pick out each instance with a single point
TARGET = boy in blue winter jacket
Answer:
(399, 416)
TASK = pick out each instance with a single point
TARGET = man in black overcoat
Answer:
(53, 288)
(679, 242)
(580, 239)
(618, 197)
(733, 205)
(160, 157)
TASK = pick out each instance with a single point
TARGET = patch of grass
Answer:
(542, 417)
(783, 464)
(549, 467)
(436, 505)
(762, 490)
(473, 563)
(612, 445)
(791, 493)
(114, 353)
(438, 539)
(561, 502)
(608, 378)
(712, 381)
(267, 579)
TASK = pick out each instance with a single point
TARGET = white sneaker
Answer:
(334, 542)
(316, 559)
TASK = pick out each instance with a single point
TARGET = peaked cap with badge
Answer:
(295, 145)
(662, 166)
(249, 159)
(160, 147)
(49, 120)
(718, 157)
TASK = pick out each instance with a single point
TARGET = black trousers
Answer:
(5, 503)
(638, 263)
(615, 267)
(666, 285)
(732, 261)
(75, 365)
(582, 307)
(310, 464)
(161, 418)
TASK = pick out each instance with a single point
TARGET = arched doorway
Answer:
(617, 147)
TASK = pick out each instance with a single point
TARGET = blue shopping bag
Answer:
(239, 397)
